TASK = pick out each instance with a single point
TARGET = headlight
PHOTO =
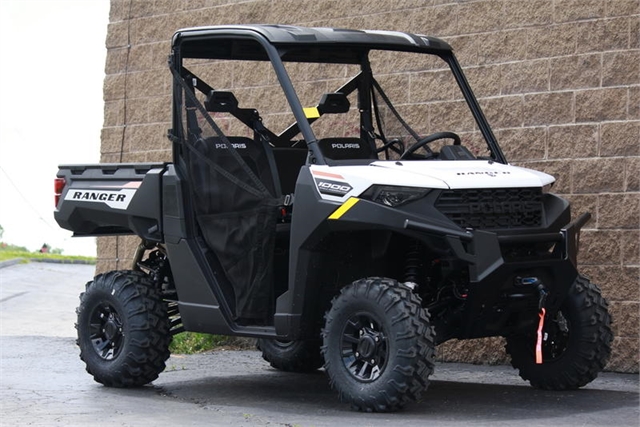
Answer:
(547, 188)
(393, 196)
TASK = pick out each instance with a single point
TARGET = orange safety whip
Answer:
(539, 340)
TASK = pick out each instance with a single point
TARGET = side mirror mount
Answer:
(221, 101)
(334, 103)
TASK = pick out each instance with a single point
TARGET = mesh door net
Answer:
(235, 204)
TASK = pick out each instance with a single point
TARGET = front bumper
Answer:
(482, 249)
(497, 303)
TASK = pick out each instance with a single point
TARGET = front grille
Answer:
(494, 208)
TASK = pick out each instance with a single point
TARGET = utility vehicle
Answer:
(340, 196)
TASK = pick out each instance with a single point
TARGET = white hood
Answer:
(472, 174)
(351, 181)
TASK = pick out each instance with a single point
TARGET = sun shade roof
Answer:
(302, 44)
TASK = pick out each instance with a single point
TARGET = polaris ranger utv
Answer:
(340, 196)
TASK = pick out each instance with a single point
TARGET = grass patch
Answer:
(194, 342)
(6, 255)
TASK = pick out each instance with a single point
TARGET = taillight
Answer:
(58, 188)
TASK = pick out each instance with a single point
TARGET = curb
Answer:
(10, 262)
(63, 261)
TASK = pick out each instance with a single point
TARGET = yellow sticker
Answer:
(344, 208)
(311, 112)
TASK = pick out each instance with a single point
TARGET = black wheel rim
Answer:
(365, 348)
(556, 338)
(105, 329)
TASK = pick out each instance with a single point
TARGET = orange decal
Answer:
(327, 174)
(131, 184)
(539, 337)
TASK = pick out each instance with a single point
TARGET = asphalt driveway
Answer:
(43, 382)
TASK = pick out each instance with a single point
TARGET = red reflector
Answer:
(58, 188)
(58, 185)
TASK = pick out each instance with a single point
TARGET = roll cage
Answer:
(279, 44)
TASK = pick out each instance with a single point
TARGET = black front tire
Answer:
(577, 345)
(378, 345)
(123, 329)
(291, 356)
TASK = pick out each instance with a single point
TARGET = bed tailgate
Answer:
(110, 199)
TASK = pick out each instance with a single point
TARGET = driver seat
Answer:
(344, 148)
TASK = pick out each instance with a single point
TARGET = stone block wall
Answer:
(559, 80)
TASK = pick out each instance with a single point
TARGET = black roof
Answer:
(303, 43)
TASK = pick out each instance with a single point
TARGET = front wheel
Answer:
(378, 345)
(576, 345)
(123, 329)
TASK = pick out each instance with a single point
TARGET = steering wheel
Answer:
(428, 139)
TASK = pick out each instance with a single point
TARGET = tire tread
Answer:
(593, 350)
(408, 380)
(147, 349)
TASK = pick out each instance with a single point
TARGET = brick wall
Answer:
(559, 81)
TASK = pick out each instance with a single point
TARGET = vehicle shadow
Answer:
(445, 401)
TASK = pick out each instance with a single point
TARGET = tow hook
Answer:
(527, 281)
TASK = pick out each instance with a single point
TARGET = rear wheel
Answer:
(378, 345)
(576, 344)
(291, 356)
(123, 329)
